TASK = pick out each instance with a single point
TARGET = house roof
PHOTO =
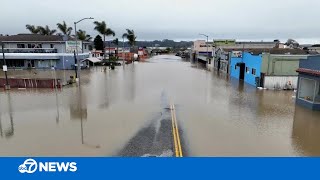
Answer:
(271, 51)
(309, 71)
(93, 59)
(31, 38)
(34, 38)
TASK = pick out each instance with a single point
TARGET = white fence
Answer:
(281, 82)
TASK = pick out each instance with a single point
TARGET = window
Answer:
(247, 70)
(51, 45)
(34, 45)
(253, 71)
(235, 67)
(317, 98)
(20, 46)
(307, 89)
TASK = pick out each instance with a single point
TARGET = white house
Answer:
(41, 51)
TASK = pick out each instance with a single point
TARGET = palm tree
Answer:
(33, 29)
(131, 37)
(64, 28)
(102, 28)
(83, 36)
(46, 30)
(116, 42)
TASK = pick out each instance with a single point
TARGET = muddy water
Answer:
(218, 116)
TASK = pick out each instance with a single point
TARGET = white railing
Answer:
(29, 50)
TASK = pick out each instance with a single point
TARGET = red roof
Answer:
(309, 71)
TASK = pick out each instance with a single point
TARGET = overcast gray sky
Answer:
(173, 19)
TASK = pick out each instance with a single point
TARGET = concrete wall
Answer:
(201, 46)
(30, 83)
(67, 61)
(280, 82)
(281, 65)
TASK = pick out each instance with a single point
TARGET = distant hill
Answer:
(157, 43)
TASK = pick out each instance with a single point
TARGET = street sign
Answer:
(5, 68)
(71, 46)
(224, 42)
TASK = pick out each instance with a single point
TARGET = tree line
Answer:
(100, 27)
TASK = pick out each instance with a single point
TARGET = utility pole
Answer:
(75, 62)
(5, 68)
(77, 53)
(123, 54)
(208, 59)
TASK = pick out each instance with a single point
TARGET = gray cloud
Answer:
(173, 19)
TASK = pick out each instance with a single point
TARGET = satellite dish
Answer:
(135, 56)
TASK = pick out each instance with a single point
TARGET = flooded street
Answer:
(125, 113)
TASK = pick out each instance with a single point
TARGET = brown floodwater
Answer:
(218, 116)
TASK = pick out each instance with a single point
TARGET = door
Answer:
(30, 63)
(242, 70)
(262, 75)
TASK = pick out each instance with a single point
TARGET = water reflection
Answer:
(7, 132)
(78, 105)
(130, 82)
(218, 116)
(306, 131)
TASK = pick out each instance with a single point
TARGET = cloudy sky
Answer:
(174, 19)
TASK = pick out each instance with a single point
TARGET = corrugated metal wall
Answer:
(280, 82)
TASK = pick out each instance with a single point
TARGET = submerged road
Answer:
(160, 137)
(156, 138)
(128, 112)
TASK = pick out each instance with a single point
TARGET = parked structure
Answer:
(128, 53)
(274, 69)
(97, 54)
(279, 70)
(222, 49)
(233, 44)
(314, 48)
(246, 66)
(201, 50)
(308, 94)
(42, 51)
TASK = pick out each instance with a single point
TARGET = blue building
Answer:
(308, 94)
(246, 66)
